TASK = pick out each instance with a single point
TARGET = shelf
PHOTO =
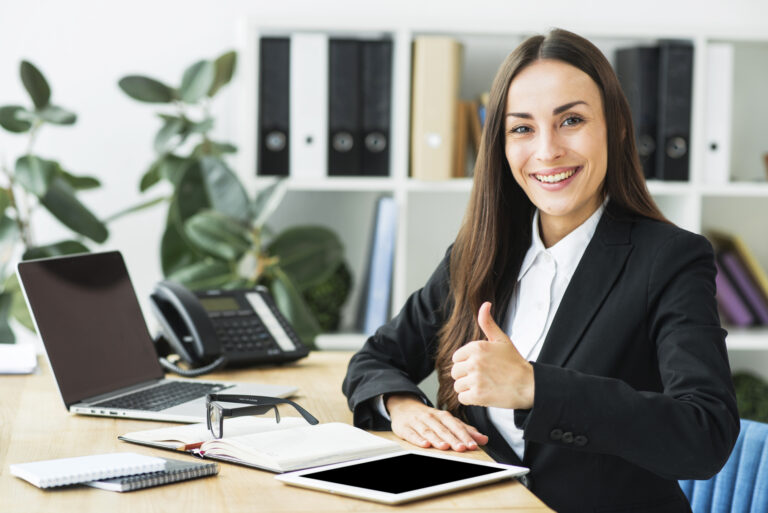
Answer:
(737, 189)
(747, 338)
(354, 183)
(454, 185)
(661, 188)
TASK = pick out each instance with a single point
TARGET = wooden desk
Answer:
(43, 429)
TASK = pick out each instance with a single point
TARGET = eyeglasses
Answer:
(215, 412)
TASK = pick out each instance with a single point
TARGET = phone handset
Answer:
(187, 329)
(211, 328)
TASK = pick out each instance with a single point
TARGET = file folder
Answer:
(674, 124)
(344, 101)
(274, 108)
(376, 109)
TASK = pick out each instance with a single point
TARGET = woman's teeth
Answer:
(559, 177)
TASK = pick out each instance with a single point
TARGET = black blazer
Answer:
(633, 387)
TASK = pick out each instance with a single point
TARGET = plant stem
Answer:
(23, 226)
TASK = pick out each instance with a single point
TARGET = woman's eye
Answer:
(572, 121)
(519, 130)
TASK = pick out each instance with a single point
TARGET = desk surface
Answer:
(43, 429)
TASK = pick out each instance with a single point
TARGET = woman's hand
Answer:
(422, 425)
(492, 372)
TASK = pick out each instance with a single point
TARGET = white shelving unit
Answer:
(430, 212)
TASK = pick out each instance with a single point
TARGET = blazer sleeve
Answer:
(400, 354)
(684, 431)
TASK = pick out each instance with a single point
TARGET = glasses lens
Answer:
(214, 415)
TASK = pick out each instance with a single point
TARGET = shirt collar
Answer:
(568, 251)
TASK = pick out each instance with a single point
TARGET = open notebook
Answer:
(262, 443)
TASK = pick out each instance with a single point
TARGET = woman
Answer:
(574, 330)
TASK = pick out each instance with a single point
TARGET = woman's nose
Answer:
(549, 146)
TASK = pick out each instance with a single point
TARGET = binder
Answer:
(638, 71)
(674, 122)
(730, 302)
(309, 105)
(435, 89)
(274, 108)
(344, 101)
(376, 80)
(745, 284)
(719, 97)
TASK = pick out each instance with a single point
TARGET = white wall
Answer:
(85, 46)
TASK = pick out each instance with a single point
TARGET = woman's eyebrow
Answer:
(555, 111)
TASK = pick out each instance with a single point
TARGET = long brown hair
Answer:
(496, 230)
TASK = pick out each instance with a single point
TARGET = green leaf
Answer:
(218, 235)
(80, 183)
(202, 126)
(57, 115)
(173, 167)
(266, 202)
(171, 135)
(65, 247)
(197, 80)
(35, 174)
(308, 254)
(225, 68)
(60, 201)
(6, 333)
(292, 305)
(5, 200)
(175, 250)
(151, 177)
(10, 120)
(213, 148)
(191, 196)
(208, 274)
(35, 84)
(135, 208)
(19, 310)
(225, 192)
(145, 89)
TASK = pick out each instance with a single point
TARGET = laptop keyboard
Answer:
(162, 396)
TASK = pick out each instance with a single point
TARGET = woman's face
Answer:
(556, 143)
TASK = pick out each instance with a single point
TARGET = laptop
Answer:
(99, 348)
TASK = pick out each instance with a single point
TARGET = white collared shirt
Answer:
(544, 276)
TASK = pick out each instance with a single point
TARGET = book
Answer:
(377, 290)
(175, 471)
(80, 469)
(462, 140)
(435, 90)
(745, 285)
(263, 443)
(724, 241)
(731, 304)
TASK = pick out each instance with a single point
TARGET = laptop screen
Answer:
(89, 319)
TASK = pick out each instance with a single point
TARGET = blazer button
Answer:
(567, 437)
(556, 434)
(580, 440)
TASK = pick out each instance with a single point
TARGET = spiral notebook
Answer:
(66, 471)
(174, 472)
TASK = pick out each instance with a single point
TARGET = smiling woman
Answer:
(602, 366)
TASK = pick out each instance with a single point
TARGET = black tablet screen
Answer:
(402, 473)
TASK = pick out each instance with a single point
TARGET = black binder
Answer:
(674, 124)
(344, 103)
(638, 71)
(274, 108)
(377, 103)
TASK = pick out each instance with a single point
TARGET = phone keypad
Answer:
(242, 334)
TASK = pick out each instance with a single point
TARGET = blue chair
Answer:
(742, 484)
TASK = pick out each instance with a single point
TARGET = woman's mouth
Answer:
(557, 177)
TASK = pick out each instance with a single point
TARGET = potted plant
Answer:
(215, 234)
(35, 182)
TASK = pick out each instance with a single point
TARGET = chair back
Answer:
(741, 486)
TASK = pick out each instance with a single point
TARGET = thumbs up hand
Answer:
(492, 372)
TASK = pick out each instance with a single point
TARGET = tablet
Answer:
(402, 476)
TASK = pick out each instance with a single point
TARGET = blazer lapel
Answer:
(593, 279)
